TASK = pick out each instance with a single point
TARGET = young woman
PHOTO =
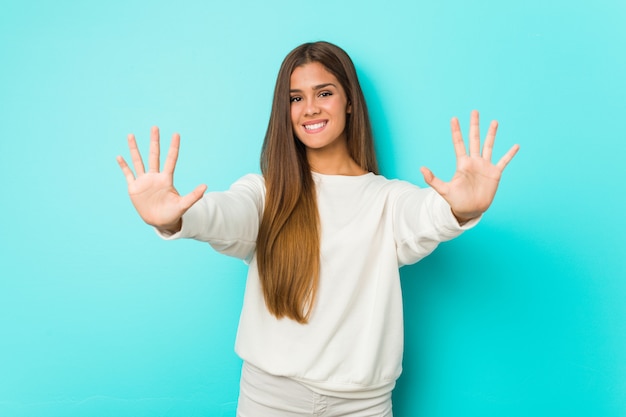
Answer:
(321, 330)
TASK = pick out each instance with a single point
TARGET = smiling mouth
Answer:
(315, 126)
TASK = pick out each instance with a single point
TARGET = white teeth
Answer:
(315, 126)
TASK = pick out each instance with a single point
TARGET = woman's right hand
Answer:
(153, 193)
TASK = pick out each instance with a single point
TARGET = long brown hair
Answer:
(288, 243)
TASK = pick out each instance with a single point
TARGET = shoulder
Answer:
(400, 195)
(392, 186)
(250, 187)
(251, 178)
(251, 181)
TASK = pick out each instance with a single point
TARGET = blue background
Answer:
(523, 315)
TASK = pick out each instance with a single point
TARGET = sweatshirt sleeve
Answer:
(423, 219)
(229, 220)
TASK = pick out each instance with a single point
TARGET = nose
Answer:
(311, 107)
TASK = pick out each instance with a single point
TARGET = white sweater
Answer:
(370, 226)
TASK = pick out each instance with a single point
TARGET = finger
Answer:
(504, 161)
(126, 169)
(135, 156)
(172, 155)
(433, 181)
(457, 138)
(489, 140)
(474, 134)
(153, 158)
(191, 198)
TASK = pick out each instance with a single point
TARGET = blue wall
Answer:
(523, 315)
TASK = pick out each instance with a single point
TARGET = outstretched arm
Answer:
(153, 193)
(473, 186)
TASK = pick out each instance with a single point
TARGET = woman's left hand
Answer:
(473, 186)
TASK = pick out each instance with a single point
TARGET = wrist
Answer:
(171, 228)
(462, 218)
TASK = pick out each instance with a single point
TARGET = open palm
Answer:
(475, 182)
(152, 193)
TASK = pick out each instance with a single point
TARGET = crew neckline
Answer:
(319, 174)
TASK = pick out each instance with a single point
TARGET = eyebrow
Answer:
(316, 87)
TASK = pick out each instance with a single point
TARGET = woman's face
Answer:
(318, 108)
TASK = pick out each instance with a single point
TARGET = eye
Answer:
(294, 99)
(326, 94)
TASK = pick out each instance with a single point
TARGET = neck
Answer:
(335, 164)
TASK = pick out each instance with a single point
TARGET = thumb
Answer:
(193, 197)
(433, 181)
